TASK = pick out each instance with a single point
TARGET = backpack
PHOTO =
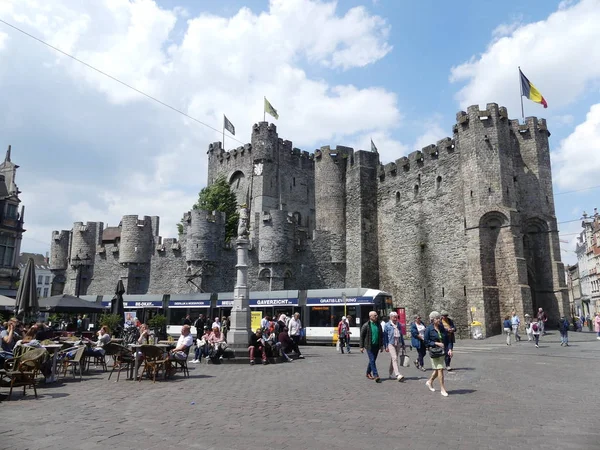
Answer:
(534, 326)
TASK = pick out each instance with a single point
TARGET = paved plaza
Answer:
(501, 397)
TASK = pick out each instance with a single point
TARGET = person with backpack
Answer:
(535, 331)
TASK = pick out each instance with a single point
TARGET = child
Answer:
(535, 330)
(507, 328)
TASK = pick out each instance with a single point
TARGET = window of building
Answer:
(11, 211)
(45, 292)
(39, 292)
(40, 279)
(47, 280)
(7, 250)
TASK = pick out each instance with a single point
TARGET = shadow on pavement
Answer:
(462, 391)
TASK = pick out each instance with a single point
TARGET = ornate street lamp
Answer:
(77, 263)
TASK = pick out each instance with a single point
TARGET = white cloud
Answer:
(576, 162)
(556, 54)
(93, 150)
(432, 132)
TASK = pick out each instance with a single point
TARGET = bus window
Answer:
(319, 316)
(339, 311)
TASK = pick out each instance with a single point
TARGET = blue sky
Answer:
(338, 73)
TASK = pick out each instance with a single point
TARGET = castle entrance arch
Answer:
(537, 254)
(239, 186)
(494, 237)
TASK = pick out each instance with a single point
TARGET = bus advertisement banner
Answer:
(339, 301)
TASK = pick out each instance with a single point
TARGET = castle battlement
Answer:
(418, 159)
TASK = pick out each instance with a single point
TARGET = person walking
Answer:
(448, 324)
(563, 328)
(371, 339)
(507, 328)
(393, 342)
(542, 318)
(515, 322)
(535, 331)
(597, 325)
(436, 339)
(343, 331)
(528, 323)
(417, 334)
(295, 328)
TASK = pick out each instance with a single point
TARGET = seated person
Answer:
(272, 345)
(202, 346)
(184, 342)
(146, 336)
(257, 345)
(29, 339)
(103, 339)
(287, 344)
(216, 343)
(8, 340)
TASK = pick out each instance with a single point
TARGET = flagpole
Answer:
(264, 111)
(223, 131)
(521, 89)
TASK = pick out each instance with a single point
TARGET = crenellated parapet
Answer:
(205, 234)
(167, 246)
(428, 156)
(137, 240)
(59, 250)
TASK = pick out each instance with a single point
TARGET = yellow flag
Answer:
(269, 109)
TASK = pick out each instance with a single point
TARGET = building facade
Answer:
(43, 273)
(588, 261)
(11, 227)
(466, 224)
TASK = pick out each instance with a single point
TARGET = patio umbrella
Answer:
(116, 306)
(7, 303)
(68, 303)
(26, 303)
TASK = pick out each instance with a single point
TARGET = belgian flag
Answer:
(528, 90)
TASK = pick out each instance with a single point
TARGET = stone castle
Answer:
(467, 224)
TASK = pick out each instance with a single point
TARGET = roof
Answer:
(39, 260)
(111, 233)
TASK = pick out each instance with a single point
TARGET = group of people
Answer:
(437, 338)
(279, 337)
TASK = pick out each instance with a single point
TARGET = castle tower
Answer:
(330, 198)
(362, 254)
(59, 260)
(539, 230)
(266, 180)
(496, 277)
(84, 240)
(138, 237)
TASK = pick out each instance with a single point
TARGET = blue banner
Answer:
(142, 304)
(339, 301)
(258, 302)
(189, 303)
(225, 303)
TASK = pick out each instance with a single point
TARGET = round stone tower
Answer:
(275, 238)
(85, 238)
(137, 240)
(330, 197)
(205, 235)
(59, 250)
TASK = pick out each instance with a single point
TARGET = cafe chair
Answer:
(23, 370)
(154, 361)
(124, 359)
(75, 362)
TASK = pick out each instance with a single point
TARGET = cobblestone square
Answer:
(501, 397)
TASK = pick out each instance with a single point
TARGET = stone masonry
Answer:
(466, 224)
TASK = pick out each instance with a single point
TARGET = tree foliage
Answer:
(219, 197)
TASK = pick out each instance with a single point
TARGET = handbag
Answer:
(436, 352)
(404, 359)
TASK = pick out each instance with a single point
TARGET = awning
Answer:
(189, 303)
(143, 301)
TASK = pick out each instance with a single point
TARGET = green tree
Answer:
(219, 197)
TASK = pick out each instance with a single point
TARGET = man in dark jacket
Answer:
(288, 345)
(371, 339)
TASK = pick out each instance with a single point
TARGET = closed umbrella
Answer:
(116, 306)
(69, 304)
(26, 303)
